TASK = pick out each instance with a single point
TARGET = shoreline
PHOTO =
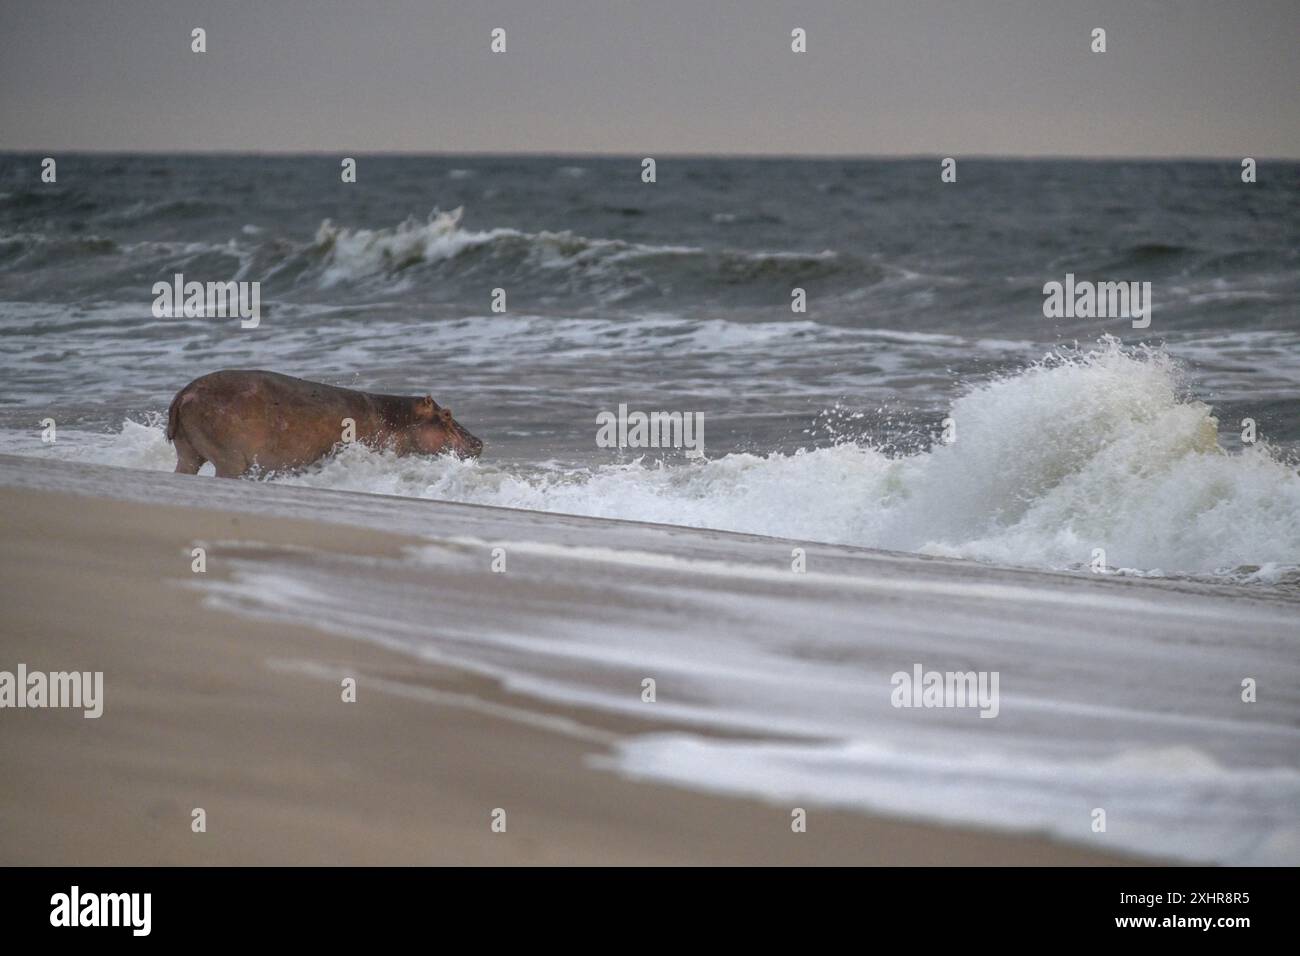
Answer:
(207, 709)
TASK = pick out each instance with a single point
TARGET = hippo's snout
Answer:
(471, 447)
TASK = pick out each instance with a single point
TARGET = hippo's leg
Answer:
(226, 461)
(188, 461)
(230, 466)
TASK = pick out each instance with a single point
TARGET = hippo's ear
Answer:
(425, 407)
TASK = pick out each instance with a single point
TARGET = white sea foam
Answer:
(1170, 801)
(1099, 450)
(356, 253)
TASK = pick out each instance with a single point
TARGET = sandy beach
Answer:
(244, 719)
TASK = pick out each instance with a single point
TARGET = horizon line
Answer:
(703, 154)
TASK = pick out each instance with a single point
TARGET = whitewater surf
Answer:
(1097, 448)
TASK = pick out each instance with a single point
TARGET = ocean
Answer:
(924, 301)
(923, 404)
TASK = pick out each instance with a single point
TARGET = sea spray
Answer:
(1086, 449)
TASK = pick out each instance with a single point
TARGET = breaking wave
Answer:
(438, 258)
(1095, 449)
(440, 246)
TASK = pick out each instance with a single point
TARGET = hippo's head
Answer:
(435, 432)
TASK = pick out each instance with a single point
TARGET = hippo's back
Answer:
(257, 393)
(263, 418)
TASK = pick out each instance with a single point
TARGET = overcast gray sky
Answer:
(896, 77)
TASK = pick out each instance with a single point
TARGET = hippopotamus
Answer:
(255, 422)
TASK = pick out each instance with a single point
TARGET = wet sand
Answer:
(244, 719)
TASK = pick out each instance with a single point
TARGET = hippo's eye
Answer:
(446, 414)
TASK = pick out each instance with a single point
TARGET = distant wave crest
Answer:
(438, 258)
(399, 254)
